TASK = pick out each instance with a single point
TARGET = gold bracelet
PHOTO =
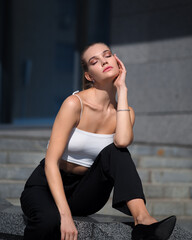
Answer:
(118, 110)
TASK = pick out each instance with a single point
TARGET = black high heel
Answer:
(157, 231)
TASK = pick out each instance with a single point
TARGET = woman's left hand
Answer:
(120, 80)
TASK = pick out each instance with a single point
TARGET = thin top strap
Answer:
(80, 102)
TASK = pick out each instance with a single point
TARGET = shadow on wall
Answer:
(144, 21)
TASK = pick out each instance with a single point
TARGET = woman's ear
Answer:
(88, 77)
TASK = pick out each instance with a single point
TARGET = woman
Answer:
(88, 150)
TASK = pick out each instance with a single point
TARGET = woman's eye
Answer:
(108, 55)
(93, 63)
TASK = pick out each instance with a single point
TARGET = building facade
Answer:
(154, 40)
(40, 45)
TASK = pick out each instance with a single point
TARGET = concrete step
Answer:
(184, 221)
(21, 157)
(158, 207)
(164, 207)
(35, 139)
(161, 208)
(31, 145)
(164, 162)
(139, 149)
(155, 175)
(22, 172)
(96, 226)
(31, 157)
(15, 171)
(17, 132)
(12, 189)
(43, 133)
(163, 183)
(168, 190)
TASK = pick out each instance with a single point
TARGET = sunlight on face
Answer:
(101, 62)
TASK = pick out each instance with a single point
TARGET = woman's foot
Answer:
(145, 219)
(155, 231)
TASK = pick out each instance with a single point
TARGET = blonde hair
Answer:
(86, 83)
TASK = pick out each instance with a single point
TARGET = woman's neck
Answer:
(104, 96)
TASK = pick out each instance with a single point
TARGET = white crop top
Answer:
(83, 147)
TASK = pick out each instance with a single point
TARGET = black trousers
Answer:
(86, 194)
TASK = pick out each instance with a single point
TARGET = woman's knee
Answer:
(115, 152)
(113, 158)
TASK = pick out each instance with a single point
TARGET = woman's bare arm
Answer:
(67, 118)
(125, 119)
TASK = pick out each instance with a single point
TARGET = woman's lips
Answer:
(107, 69)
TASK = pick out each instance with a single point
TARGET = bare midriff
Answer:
(72, 168)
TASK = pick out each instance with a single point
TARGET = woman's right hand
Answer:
(68, 229)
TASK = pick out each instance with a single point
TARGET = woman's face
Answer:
(101, 63)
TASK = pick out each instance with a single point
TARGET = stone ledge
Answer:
(94, 227)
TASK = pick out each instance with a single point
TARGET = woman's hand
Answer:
(68, 229)
(120, 80)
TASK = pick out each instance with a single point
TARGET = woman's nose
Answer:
(103, 62)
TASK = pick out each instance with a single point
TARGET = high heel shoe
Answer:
(157, 231)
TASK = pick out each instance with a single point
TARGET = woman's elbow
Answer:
(123, 143)
(50, 165)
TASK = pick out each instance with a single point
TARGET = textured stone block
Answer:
(190, 192)
(152, 129)
(167, 190)
(22, 144)
(141, 150)
(138, 150)
(161, 82)
(10, 189)
(25, 157)
(3, 157)
(165, 162)
(149, 206)
(153, 191)
(164, 208)
(4, 204)
(108, 210)
(144, 175)
(178, 191)
(93, 227)
(11, 221)
(15, 172)
(25, 133)
(163, 176)
(140, 53)
(188, 208)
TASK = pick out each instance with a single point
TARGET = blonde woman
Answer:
(87, 156)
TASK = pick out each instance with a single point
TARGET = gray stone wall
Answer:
(154, 40)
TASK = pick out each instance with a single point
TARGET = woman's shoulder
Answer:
(72, 103)
(84, 96)
(82, 93)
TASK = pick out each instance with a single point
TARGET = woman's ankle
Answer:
(145, 219)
